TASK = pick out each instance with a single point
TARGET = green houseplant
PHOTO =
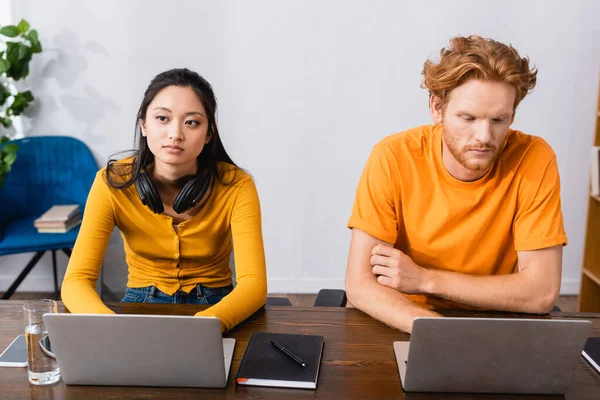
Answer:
(18, 44)
(8, 155)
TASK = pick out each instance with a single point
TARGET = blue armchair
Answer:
(49, 170)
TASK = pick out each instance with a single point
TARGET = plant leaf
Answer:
(19, 56)
(24, 70)
(32, 36)
(9, 31)
(4, 65)
(36, 47)
(3, 140)
(28, 96)
(4, 95)
(23, 52)
(10, 158)
(6, 122)
(18, 105)
(23, 26)
(12, 51)
(11, 148)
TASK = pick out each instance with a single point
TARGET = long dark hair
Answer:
(121, 174)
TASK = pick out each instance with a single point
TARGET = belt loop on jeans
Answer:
(199, 291)
(152, 292)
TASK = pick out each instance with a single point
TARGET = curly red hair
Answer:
(474, 57)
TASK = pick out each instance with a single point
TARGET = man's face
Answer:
(475, 120)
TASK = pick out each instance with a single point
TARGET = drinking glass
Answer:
(41, 364)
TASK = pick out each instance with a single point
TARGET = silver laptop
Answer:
(489, 355)
(140, 350)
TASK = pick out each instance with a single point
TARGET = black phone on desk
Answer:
(15, 354)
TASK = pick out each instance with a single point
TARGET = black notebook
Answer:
(265, 364)
(591, 352)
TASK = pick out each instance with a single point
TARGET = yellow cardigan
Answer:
(156, 254)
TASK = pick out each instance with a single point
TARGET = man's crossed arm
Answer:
(378, 276)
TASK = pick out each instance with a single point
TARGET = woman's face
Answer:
(176, 127)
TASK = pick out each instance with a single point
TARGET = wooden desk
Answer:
(358, 360)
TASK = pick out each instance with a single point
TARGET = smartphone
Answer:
(46, 346)
(15, 354)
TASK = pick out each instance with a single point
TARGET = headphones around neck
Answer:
(191, 193)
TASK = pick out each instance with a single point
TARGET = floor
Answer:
(566, 303)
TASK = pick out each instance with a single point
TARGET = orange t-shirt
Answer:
(407, 197)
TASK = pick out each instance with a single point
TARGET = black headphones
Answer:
(193, 191)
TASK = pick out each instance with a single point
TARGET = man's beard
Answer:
(461, 154)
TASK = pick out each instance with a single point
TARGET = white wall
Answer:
(305, 89)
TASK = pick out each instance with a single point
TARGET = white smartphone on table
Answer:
(15, 354)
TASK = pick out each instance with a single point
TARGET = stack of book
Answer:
(59, 219)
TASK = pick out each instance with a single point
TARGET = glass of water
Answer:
(41, 364)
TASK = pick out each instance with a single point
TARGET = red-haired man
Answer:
(463, 213)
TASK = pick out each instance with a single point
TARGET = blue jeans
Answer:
(199, 295)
